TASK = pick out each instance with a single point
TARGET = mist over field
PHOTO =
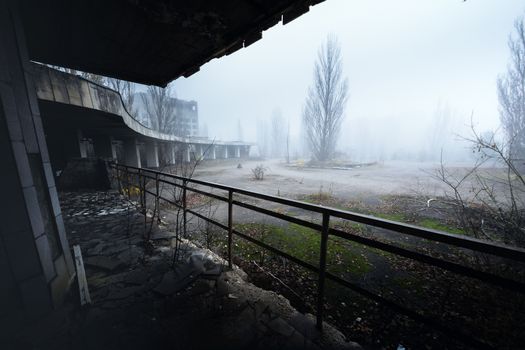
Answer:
(409, 64)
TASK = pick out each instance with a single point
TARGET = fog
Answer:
(406, 61)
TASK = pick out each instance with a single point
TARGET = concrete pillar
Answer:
(200, 152)
(238, 152)
(82, 144)
(213, 154)
(132, 153)
(35, 260)
(186, 156)
(226, 155)
(152, 154)
(172, 149)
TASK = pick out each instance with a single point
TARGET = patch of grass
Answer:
(391, 216)
(303, 243)
(412, 285)
(436, 225)
(430, 223)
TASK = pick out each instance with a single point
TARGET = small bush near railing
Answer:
(258, 172)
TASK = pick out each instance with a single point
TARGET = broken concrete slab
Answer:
(104, 262)
(280, 326)
(172, 283)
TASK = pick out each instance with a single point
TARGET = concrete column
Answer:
(213, 154)
(132, 153)
(35, 260)
(200, 152)
(226, 154)
(238, 152)
(172, 148)
(186, 156)
(82, 144)
(152, 154)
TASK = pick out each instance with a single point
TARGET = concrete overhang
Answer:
(68, 101)
(145, 41)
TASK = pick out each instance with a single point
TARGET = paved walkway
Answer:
(140, 300)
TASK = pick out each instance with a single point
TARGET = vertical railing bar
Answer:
(118, 180)
(184, 216)
(230, 227)
(157, 194)
(322, 271)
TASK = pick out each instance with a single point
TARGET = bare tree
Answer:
(511, 93)
(277, 133)
(439, 132)
(488, 204)
(159, 106)
(126, 89)
(325, 104)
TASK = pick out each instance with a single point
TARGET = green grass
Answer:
(391, 216)
(303, 243)
(429, 223)
(436, 225)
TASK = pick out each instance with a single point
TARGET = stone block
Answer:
(46, 259)
(64, 244)
(41, 137)
(31, 91)
(22, 163)
(33, 210)
(59, 90)
(85, 94)
(55, 204)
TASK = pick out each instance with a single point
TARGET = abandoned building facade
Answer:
(186, 121)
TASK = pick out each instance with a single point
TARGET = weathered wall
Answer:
(35, 261)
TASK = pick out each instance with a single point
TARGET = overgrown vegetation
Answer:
(495, 209)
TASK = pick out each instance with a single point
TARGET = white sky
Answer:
(401, 57)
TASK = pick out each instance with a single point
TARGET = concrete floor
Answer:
(141, 300)
(387, 178)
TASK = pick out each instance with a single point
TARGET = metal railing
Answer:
(327, 213)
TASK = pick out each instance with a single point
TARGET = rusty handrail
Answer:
(477, 245)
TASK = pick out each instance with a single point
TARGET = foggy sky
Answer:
(402, 58)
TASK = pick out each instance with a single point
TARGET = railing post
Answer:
(322, 270)
(184, 220)
(142, 187)
(230, 227)
(119, 185)
(157, 194)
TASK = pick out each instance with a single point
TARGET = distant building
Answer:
(187, 112)
(187, 120)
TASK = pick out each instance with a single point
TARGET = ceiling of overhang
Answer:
(147, 41)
